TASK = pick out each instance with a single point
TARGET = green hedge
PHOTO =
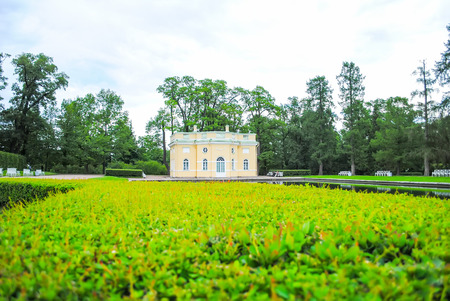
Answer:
(148, 167)
(411, 173)
(293, 172)
(128, 173)
(12, 191)
(12, 160)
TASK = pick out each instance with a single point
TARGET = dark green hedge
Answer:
(13, 191)
(127, 173)
(411, 173)
(293, 172)
(12, 160)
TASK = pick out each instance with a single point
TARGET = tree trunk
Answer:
(353, 166)
(164, 151)
(426, 164)
(398, 170)
(321, 169)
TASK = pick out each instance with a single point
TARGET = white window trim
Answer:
(186, 164)
(246, 164)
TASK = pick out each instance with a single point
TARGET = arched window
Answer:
(220, 165)
(245, 164)
(205, 164)
(185, 164)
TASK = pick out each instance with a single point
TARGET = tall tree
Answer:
(108, 114)
(3, 79)
(124, 144)
(351, 88)
(442, 72)
(160, 123)
(38, 81)
(394, 143)
(179, 94)
(319, 105)
(78, 132)
(426, 81)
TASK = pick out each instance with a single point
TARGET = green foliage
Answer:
(411, 173)
(148, 167)
(151, 167)
(75, 169)
(3, 79)
(127, 173)
(135, 240)
(396, 135)
(12, 160)
(35, 92)
(18, 190)
(351, 87)
(293, 172)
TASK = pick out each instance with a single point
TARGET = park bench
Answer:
(39, 172)
(12, 172)
(1, 172)
(275, 174)
(27, 172)
(345, 173)
(383, 173)
(441, 173)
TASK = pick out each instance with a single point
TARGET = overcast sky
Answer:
(131, 46)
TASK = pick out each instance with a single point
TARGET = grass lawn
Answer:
(393, 178)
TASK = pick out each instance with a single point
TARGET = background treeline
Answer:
(89, 133)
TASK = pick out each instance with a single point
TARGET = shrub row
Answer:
(293, 172)
(149, 167)
(12, 190)
(411, 173)
(12, 160)
(75, 169)
(127, 173)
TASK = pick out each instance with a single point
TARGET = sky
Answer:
(131, 46)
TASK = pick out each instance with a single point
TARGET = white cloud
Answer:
(130, 47)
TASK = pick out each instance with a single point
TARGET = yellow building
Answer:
(213, 154)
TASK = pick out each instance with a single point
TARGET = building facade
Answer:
(213, 154)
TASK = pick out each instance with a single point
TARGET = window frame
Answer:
(246, 164)
(186, 165)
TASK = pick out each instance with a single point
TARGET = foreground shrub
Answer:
(12, 190)
(223, 241)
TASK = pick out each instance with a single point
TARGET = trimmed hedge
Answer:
(12, 191)
(148, 167)
(127, 173)
(224, 241)
(293, 172)
(12, 160)
(411, 173)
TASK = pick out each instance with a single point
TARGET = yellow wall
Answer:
(218, 144)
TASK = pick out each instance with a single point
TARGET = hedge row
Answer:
(12, 191)
(148, 167)
(411, 173)
(12, 160)
(293, 172)
(127, 173)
